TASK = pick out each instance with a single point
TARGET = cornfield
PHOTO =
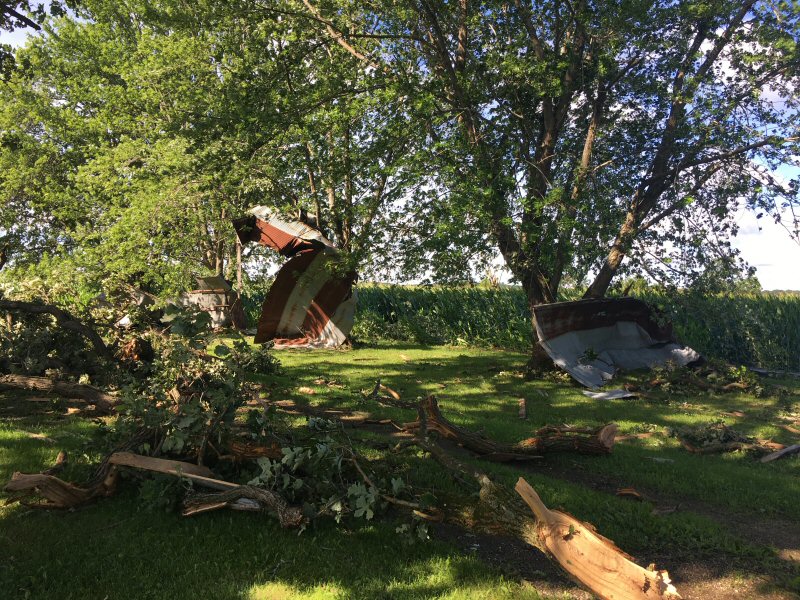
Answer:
(751, 329)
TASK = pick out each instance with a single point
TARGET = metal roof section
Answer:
(593, 339)
(311, 303)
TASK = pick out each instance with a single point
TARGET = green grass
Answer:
(115, 549)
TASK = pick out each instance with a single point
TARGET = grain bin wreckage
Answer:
(311, 302)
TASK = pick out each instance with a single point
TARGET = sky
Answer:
(763, 244)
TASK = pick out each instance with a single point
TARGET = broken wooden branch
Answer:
(591, 558)
(102, 401)
(548, 439)
(793, 449)
(58, 493)
(722, 447)
(236, 498)
(428, 514)
(64, 319)
(230, 494)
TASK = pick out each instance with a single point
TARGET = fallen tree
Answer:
(102, 401)
(599, 440)
(64, 320)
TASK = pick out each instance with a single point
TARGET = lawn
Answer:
(718, 520)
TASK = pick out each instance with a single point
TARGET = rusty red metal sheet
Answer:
(311, 303)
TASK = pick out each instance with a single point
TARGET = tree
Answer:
(575, 134)
(158, 124)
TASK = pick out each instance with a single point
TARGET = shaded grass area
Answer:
(480, 389)
(116, 549)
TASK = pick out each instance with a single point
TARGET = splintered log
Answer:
(591, 558)
(64, 319)
(547, 440)
(102, 401)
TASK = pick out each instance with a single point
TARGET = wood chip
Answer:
(630, 493)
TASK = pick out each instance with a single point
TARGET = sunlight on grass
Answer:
(282, 591)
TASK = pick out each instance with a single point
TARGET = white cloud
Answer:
(771, 250)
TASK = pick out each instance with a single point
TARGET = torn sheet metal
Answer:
(610, 395)
(593, 339)
(215, 296)
(311, 302)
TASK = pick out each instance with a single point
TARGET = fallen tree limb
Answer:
(589, 558)
(102, 401)
(64, 319)
(548, 439)
(763, 446)
(58, 493)
(230, 495)
(236, 497)
(794, 449)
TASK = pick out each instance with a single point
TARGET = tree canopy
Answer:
(420, 135)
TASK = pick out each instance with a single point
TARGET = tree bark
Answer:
(102, 401)
(547, 440)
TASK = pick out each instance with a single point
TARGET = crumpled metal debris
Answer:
(311, 302)
(593, 339)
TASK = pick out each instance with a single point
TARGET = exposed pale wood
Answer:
(594, 561)
(159, 465)
(548, 439)
(794, 449)
(591, 558)
(102, 401)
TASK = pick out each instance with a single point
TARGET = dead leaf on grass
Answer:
(306, 390)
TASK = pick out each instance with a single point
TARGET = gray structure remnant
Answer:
(593, 339)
